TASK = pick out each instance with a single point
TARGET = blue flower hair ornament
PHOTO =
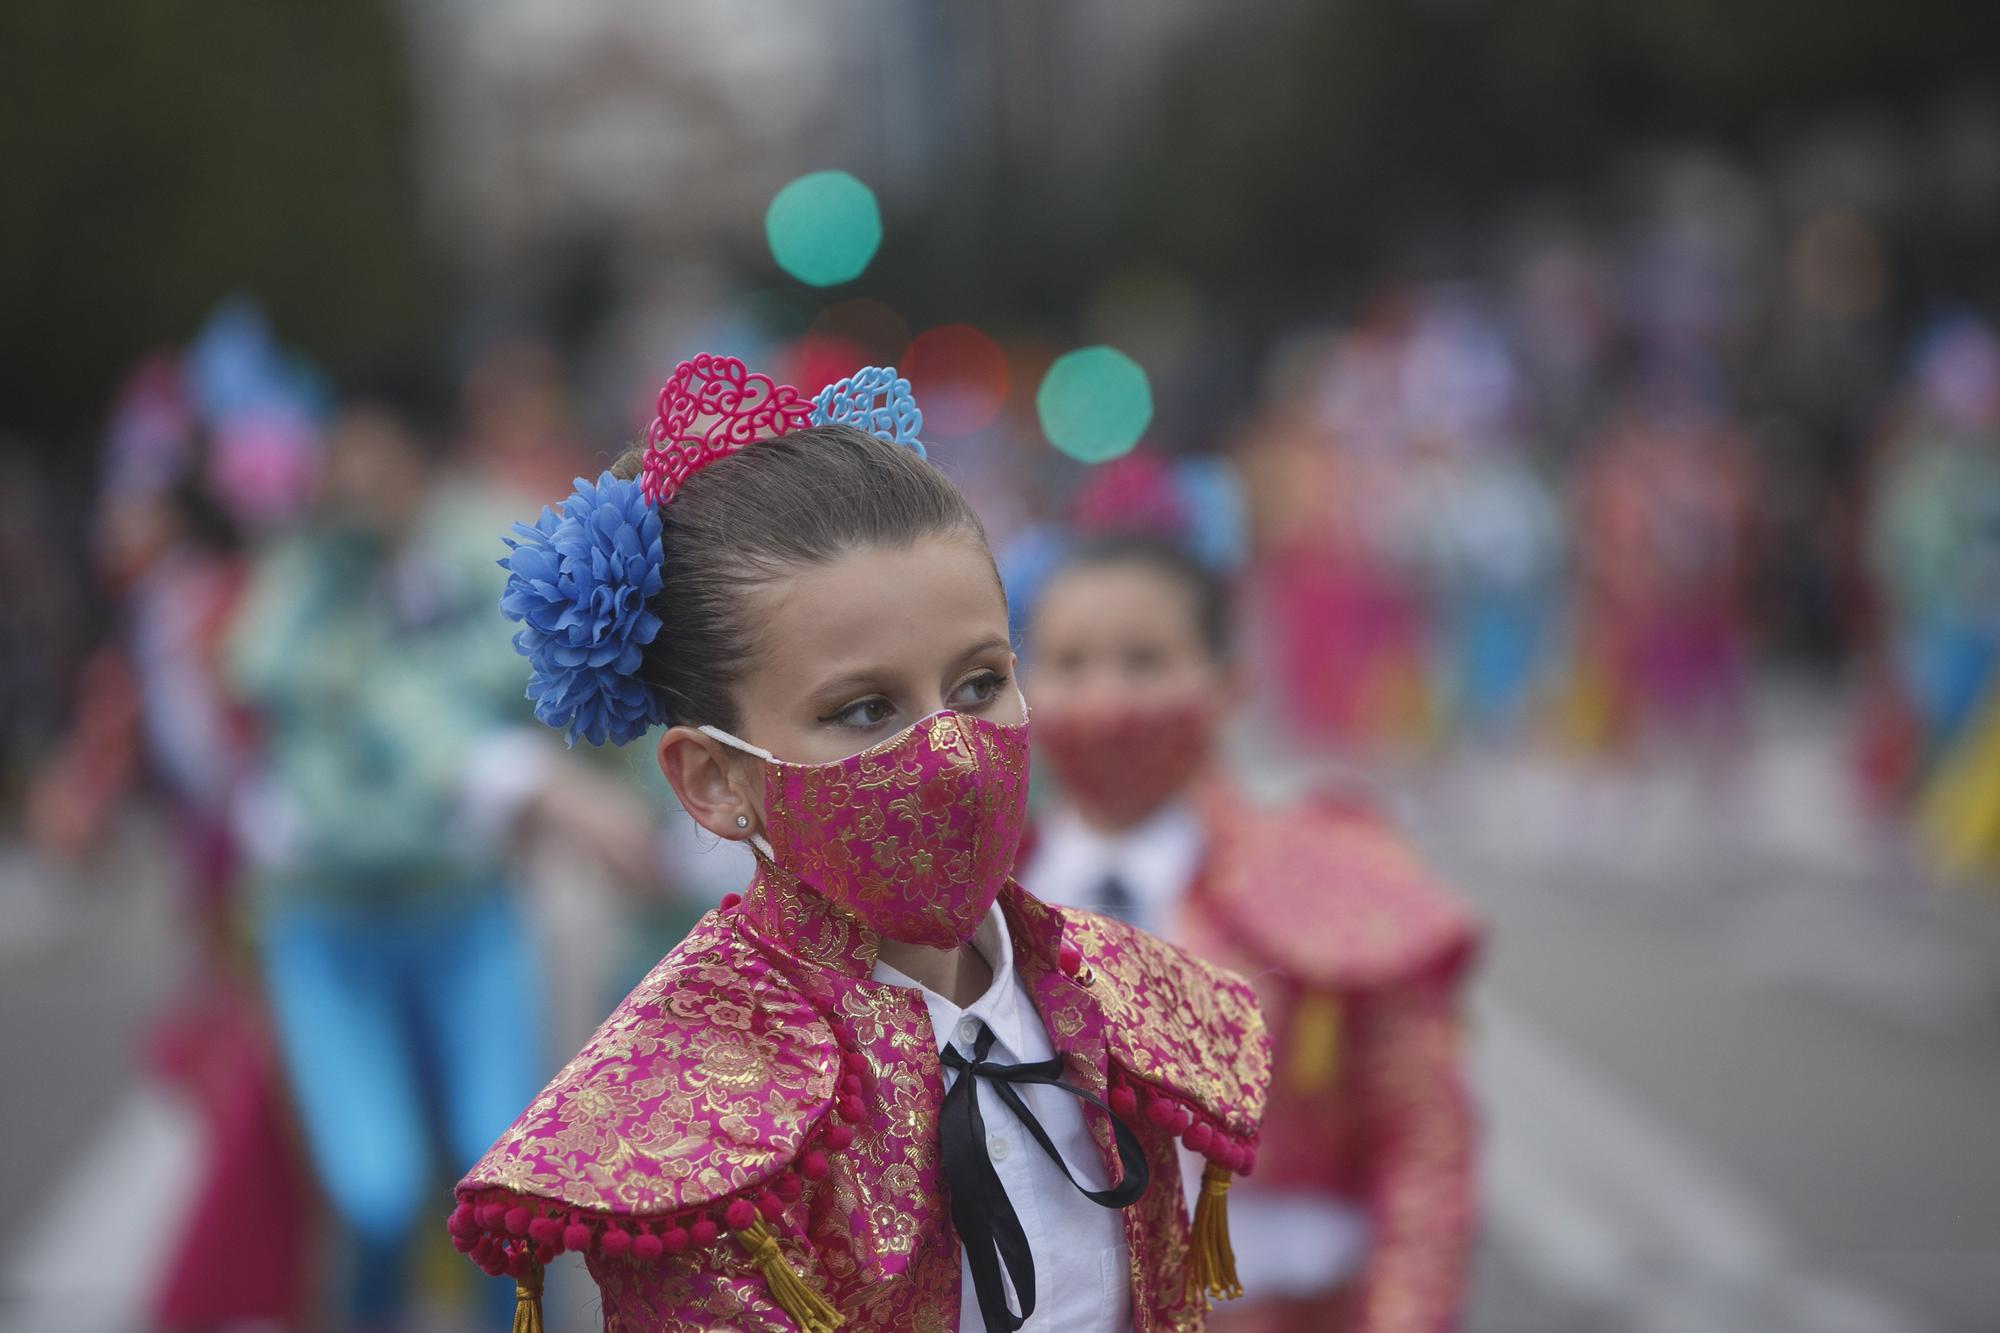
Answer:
(875, 399)
(579, 579)
(578, 582)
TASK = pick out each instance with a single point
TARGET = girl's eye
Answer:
(871, 712)
(1065, 664)
(978, 690)
(1143, 662)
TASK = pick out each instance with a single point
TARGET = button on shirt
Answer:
(1294, 1244)
(1082, 1280)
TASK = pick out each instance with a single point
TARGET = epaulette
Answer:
(700, 1108)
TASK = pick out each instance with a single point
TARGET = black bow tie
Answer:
(1114, 899)
(980, 1210)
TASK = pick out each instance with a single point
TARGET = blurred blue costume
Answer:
(396, 963)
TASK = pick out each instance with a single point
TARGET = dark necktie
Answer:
(984, 1217)
(1115, 900)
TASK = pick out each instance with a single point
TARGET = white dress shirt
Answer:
(1155, 860)
(1082, 1280)
(1291, 1244)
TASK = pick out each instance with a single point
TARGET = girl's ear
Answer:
(703, 775)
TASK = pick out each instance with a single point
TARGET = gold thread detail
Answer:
(528, 1300)
(1313, 1050)
(794, 1295)
(1211, 1260)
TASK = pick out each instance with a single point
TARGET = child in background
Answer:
(155, 719)
(884, 1088)
(399, 761)
(1361, 1217)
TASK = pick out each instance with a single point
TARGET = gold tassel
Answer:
(528, 1300)
(794, 1295)
(1211, 1261)
(1313, 1057)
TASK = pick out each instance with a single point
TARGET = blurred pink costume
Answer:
(1347, 622)
(1357, 955)
(152, 704)
(1664, 525)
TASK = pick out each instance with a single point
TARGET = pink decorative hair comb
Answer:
(709, 408)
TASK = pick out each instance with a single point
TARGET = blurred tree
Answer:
(1327, 130)
(157, 157)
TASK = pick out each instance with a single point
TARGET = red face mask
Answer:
(1121, 763)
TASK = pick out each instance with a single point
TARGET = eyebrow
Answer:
(856, 681)
(985, 646)
(875, 680)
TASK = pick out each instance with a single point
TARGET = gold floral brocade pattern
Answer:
(1176, 1021)
(762, 1042)
(701, 1085)
(871, 832)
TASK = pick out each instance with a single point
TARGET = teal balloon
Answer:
(824, 228)
(1094, 403)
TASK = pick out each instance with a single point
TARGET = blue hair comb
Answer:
(875, 399)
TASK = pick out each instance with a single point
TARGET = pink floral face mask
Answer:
(914, 835)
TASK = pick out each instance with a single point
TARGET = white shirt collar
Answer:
(1000, 1008)
(1156, 861)
(1081, 1262)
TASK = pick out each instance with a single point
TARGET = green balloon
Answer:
(824, 228)
(1094, 403)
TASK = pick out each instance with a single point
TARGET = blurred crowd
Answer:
(1583, 500)
(1597, 494)
(304, 670)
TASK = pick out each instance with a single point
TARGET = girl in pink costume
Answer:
(1361, 1219)
(885, 1087)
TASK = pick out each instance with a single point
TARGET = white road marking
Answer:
(93, 1255)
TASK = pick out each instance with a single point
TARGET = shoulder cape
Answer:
(1187, 1032)
(1330, 895)
(716, 1091)
(704, 1085)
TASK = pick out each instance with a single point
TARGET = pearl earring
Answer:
(742, 821)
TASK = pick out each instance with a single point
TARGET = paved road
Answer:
(82, 959)
(1740, 1077)
(1744, 1069)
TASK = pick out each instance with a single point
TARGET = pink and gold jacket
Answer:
(1358, 955)
(750, 1141)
